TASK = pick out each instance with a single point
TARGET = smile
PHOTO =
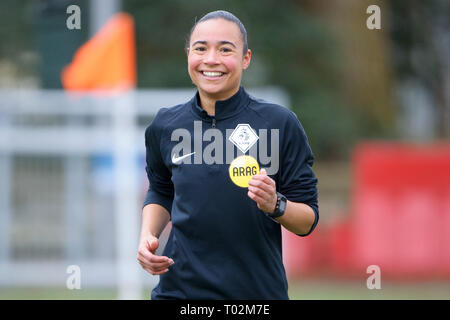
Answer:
(212, 74)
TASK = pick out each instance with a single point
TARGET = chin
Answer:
(213, 90)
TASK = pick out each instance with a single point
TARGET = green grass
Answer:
(354, 290)
(56, 294)
(301, 290)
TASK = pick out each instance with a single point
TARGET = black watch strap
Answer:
(280, 207)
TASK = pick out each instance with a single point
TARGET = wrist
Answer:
(146, 234)
(274, 205)
(280, 206)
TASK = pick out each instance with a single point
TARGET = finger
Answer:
(155, 268)
(153, 244)
(156, 273)
(149, 257)
(160, 265)
(264, 194)
(258, 184)
(263, 172)
(263, 178)
(256, 198)
(158, 259)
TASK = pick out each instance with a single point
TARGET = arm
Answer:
(298, 217)
(154, 220)
(157, 205)
(296, 182)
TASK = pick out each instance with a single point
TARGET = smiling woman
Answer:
(225, 241)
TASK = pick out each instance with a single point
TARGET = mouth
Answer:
(212, 74)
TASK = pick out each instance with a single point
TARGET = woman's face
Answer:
(216, 59)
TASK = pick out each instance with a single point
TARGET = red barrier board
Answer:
(400, 220)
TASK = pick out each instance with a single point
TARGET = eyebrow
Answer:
(220, 42)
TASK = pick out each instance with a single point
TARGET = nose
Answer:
(211, 57)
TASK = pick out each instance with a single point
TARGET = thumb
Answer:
(153, 244)
(263, 171)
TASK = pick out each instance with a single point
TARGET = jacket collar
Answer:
(224, 108)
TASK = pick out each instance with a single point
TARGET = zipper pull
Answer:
(213, 124)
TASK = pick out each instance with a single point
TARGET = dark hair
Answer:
(221, 14)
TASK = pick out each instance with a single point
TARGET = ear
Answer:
(187, 52)
(247, 58)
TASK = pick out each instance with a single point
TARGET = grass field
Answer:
(305, 290)
(352, 290)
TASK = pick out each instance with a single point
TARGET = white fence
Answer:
(72, 181)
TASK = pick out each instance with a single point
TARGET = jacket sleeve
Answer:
(160, 190)
(297, 181)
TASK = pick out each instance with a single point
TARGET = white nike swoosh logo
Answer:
(178, 159)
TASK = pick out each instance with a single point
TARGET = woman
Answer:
(202, 159)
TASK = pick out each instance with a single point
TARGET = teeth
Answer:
(212, 74)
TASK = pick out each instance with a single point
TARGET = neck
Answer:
(208, 102)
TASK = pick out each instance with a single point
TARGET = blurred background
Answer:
(375, 104)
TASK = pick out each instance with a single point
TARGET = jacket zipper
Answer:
(213, 123)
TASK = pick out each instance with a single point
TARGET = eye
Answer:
(225, 49)
(200, 49)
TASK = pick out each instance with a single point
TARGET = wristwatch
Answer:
(280, 207)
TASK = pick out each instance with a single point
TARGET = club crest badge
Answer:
(243, 137)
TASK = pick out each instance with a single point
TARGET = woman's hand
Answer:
(262, 190)
(150, 262)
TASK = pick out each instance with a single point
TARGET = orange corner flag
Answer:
(107, 61)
